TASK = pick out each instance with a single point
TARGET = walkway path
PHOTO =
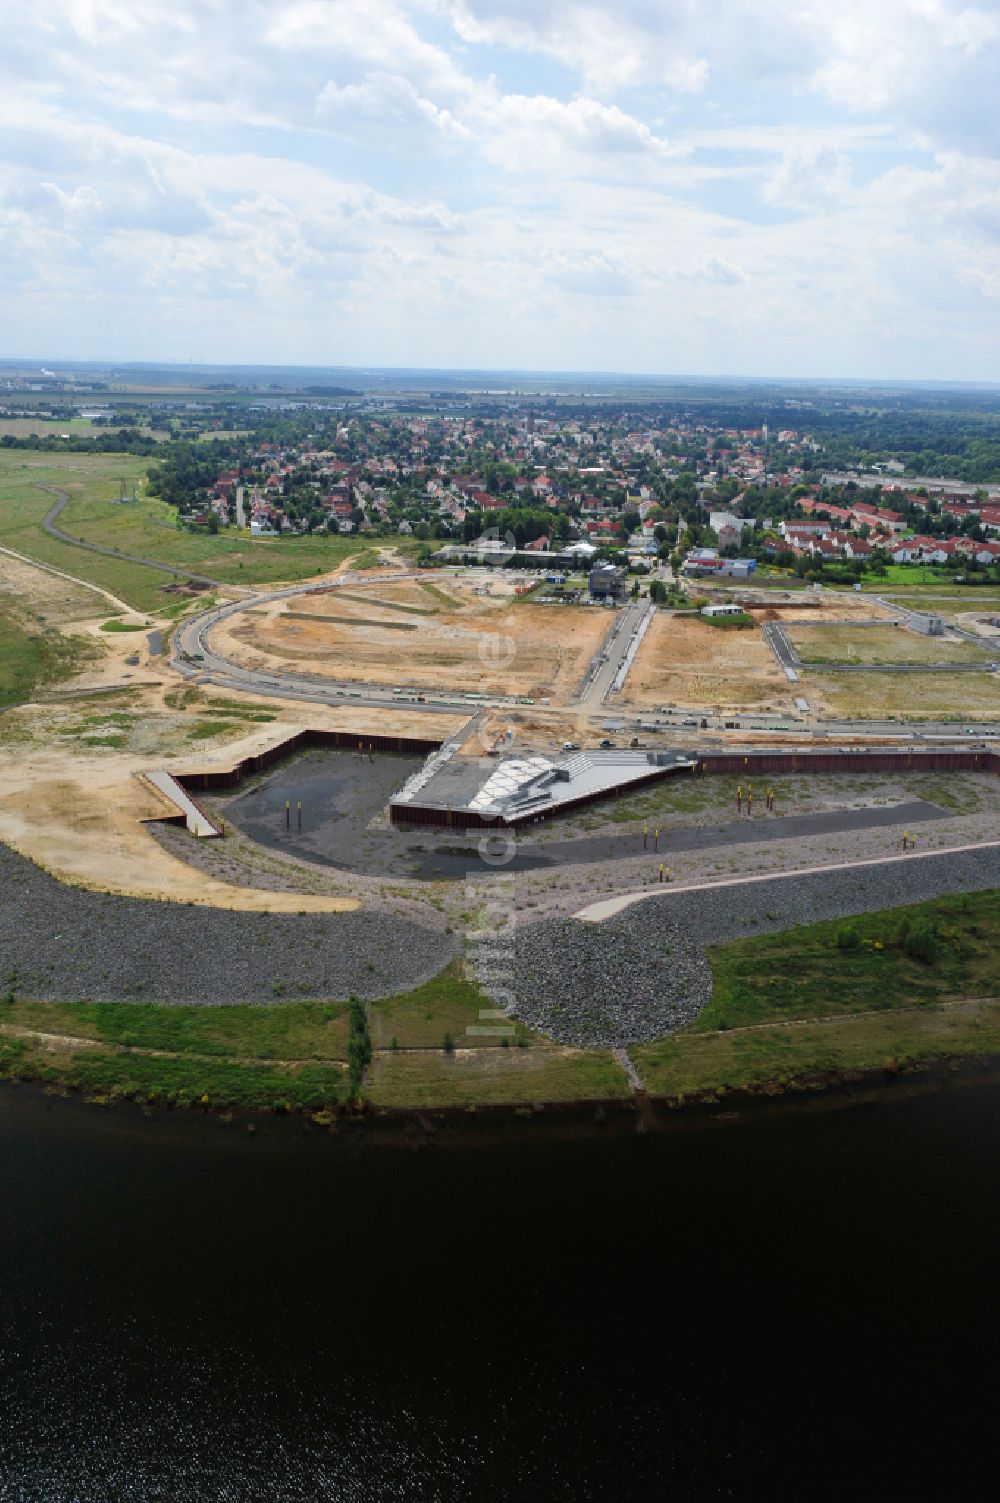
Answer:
(596, 913)
(624, 1059)
(49, 520)
(86, 584)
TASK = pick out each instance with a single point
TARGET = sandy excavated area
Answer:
(683, 661)
(851, 608)
(78, 813)
(401, 635)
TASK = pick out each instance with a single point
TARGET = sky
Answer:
(705, 187)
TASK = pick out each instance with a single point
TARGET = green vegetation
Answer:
(477, 1077)
(440, 596)
(146, 528)
(450, 1003)
(30, 656)
(880, 991)
(122, 626)
(890, 988)
(359, 1047)
(729, 623)
(293, 1031)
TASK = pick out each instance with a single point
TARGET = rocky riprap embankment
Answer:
(607, 984)
(644, 973)
(67, 944)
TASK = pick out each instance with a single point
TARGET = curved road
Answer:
(193, 658)
(49, 520)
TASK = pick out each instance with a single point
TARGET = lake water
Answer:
(800, 1301)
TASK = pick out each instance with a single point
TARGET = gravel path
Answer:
(71, 945)
(644, 973)
(712, 917)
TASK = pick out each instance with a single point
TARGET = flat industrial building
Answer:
(468, 793)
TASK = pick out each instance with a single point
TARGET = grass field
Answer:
(878, 644)
(146, 528)
(884, 989)
(42, 427)
(873, 696)
(293, 1054)
(486, 1077)
(31, 656)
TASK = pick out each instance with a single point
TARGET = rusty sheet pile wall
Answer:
(207, 779)
(850, 761)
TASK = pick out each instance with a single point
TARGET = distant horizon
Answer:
(38, 362)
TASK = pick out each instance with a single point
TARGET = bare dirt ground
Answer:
(684, 661)
(54, 599)
(979, 622)
(71, 801)
(400, 634)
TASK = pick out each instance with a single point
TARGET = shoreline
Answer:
(494, 1123)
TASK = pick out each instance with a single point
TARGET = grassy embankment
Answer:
(294, 1054)
(147, 529)
(885, 990)
(882, 991)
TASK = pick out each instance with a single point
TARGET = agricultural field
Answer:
(45, 427)
(409, 635)
(684, 661)
(877, 644)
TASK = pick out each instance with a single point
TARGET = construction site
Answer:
(393, 753)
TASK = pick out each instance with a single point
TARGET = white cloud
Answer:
(810, 175)
(534, 134)
(709, 183)
(610, 47)
(385, 102)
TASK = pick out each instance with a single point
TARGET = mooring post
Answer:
(298, 813)
(288, 814)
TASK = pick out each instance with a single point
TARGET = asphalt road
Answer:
(615, 648)
(191, 639)
(49, 521)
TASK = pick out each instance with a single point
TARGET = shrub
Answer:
(847, 937)
(922, 943)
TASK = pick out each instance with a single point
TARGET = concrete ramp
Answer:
(197, 821)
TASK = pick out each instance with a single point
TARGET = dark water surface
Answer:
(798, 1304)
